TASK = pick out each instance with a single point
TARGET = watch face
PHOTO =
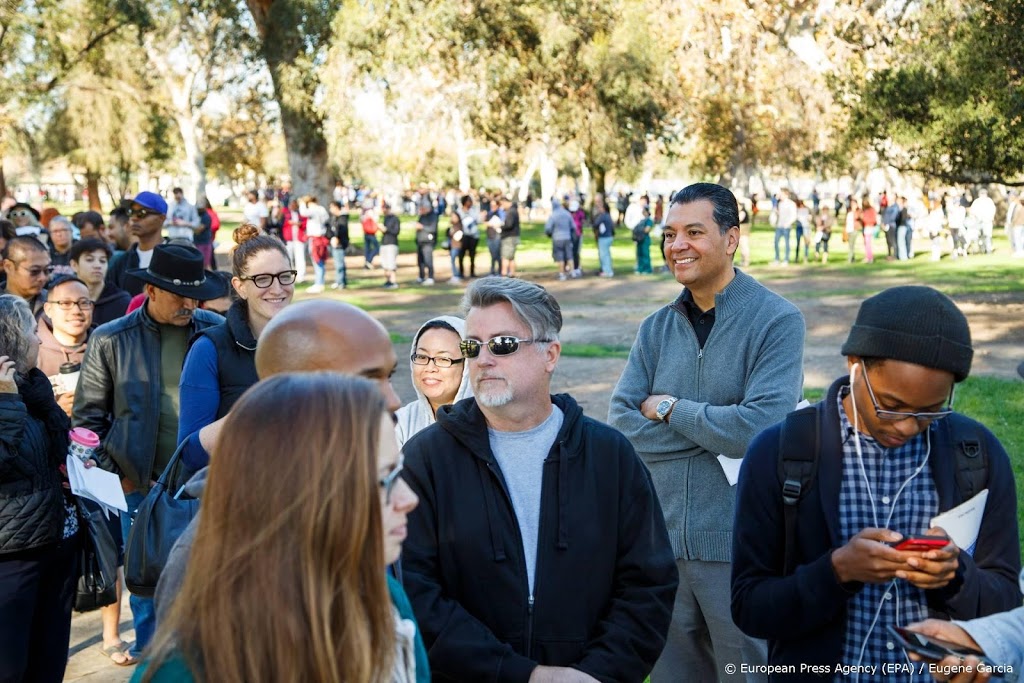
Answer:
(663, 407)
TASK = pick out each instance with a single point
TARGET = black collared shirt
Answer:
(702, 321)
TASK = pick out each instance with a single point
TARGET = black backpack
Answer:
(800, 445)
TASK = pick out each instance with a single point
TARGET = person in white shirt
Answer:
(984, 210)
(785, 219)
(255, 211)
(182, 219)
(316, 227)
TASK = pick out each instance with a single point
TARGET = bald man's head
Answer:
(328, 335)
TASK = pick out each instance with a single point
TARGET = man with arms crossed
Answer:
(705, 375)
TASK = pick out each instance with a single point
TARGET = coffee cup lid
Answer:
(84, 436)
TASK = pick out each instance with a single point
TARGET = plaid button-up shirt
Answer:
(876, 607)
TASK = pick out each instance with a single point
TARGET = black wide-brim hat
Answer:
(179, 269)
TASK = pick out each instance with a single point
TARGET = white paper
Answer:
(731, 466)
(963, 523)
(97, 485)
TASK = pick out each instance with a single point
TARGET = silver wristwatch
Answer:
(664, 407)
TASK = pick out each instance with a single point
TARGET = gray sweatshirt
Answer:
(747, 377)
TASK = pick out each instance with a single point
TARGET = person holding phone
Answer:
(888, 461)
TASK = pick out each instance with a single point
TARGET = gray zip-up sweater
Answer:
(747, 377)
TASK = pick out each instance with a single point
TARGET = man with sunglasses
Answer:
(538, 551)
(27, 266)
(889, 455)
(147, 213)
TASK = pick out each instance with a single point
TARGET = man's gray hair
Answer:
(16, 324)
(532, 303)
(64, 220)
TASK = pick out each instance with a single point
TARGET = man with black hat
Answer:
(147, 214)
(843, 509)
(128, 388)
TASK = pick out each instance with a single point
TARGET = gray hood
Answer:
(418, 415)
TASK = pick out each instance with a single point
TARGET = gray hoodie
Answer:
(418, 415)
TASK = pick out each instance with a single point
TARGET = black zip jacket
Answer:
(118, 394)
(606, 576)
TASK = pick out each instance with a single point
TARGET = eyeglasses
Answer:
(388, 483)
(264, 280)
(498, 346)
(68, 304)
(439, 361)
(38, 271)
(142, 213)
(897, 416)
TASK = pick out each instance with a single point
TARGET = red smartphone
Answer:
(921, 543)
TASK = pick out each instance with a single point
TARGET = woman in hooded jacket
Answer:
(439, 374)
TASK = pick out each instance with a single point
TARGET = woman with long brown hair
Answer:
(303, 509)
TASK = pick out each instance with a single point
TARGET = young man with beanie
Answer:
(886, 454)
(706, 374)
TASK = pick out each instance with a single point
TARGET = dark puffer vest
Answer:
(31, 502)
(236, 355)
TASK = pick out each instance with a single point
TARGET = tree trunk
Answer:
(92, 184)
(3, 181)
(294, 90)
(465, 185)
(599, 179)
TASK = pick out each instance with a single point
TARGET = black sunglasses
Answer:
(498, 346)
(142, 213)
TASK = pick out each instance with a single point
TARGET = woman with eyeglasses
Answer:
(286, 582)
(439, 374)
(38, 524)
(221, 361)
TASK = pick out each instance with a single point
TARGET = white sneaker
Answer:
(315, 289)
(455, 280)
(429, 281)
(561, 276)
(337, 285)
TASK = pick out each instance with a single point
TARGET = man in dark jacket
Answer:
(539, 550)
(825, 591)
(128, 389)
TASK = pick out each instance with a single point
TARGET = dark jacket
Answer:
(337, 226)
(803, 615)
(111, 305)
(510, 228)
(123, 262)
(118, 393)
(606, 577)
(392, 226)
(236, 355)
(33, 443)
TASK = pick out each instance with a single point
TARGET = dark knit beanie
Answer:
(913, 324)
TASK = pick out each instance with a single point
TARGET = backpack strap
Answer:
(971, 456)
(799, 446)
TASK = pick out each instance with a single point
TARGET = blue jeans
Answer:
(494, 246)
(319, 268)
(455, 253)
(902, 243)
(371, 247)
(782, 234)
(604, 253)
(143, 611)
(340, 273)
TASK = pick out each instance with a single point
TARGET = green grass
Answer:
(594, 350)
(999, 405)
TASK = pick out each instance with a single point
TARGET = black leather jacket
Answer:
(118, 394)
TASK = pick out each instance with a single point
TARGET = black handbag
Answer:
(97, 562)
(159, 522)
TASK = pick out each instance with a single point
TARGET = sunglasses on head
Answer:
(498, 346)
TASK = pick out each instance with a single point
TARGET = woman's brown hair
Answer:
(250, 241)
(286, 580)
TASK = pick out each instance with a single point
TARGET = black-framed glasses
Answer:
(439, 361)
(68, 304)
(38, 271)
(897, 416)
(498, 346)
(142, 213)
(388, 483)
(264, 280)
